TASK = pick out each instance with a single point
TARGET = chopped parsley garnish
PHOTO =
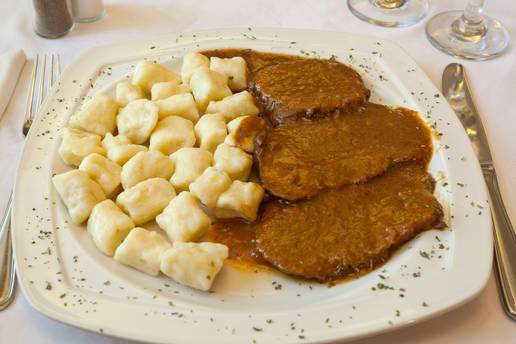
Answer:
(384, 286)
(424, 255)
(341, 268)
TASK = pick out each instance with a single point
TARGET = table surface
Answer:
(494, 84)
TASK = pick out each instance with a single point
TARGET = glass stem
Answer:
(470, 26)
(388, 4)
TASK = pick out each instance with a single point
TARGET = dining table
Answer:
(481, 320)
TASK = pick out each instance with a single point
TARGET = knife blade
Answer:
(456, 89)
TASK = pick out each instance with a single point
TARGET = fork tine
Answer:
(41, 95)
(27, 121)
(51, 79)
(58, 65)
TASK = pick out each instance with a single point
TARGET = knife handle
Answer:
(504, 243)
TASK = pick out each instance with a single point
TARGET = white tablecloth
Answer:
(494, 83)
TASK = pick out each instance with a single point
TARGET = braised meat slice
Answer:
(356, 227)
(299, 160)
(307, 89)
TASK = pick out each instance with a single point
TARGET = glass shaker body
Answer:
(87, 11)
(52, 18)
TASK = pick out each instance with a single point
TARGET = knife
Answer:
(456, 90)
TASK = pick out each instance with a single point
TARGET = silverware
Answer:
(7, 268)
(456, 90)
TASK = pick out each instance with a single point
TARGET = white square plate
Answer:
(66, 278)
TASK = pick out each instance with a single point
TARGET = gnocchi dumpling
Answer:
(162, 90)
(243, 132)
(183, 219)
(182, 105)
(127, 92)
(146, 165)
(103, 171)
(78, 144)
(240, 200)
(120, 149)
(143, 250)
(146, 199)
(191, 62)
(208, 85)
(137, 120)
(233, 106)
(172, 133)
(97, 115)
(147, 74)
(108, 226)
(194, 264)
(210, 184)
(235, 68)
(79, 193)
(234, 161)
(190, 163)
(210, 131)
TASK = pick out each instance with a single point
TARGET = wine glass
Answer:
(468, 34)
(389, 13)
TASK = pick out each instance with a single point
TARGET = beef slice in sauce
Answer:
(356, 227)
(299, 160)
(307, 89)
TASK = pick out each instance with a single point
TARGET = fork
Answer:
(38, 76)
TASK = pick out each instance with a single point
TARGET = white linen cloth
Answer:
(11, 64)
(494, 84)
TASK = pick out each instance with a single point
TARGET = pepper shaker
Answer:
(87, 11)
(52, 18)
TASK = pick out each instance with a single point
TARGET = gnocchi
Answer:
(233, 106)
(172, 133)
(127, 92)
(243, 132)
(235, 68)
(77, 144)
(108, 226)
(240, 200)
(120, 149)
(147, 74)
(210, 131)
(209, 185)
(194, 264)
(79, 193)
(103, 171)
(162, 90)
(191, 62)
(97, 115)
(182, 105)
(183, 219)
(208, 85)
(146, 199)
(190, 163)
(143, 250)
(146, 165)
(234, 161)
(137, 120)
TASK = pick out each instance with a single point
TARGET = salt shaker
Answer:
(52, 18)
(87, 11)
